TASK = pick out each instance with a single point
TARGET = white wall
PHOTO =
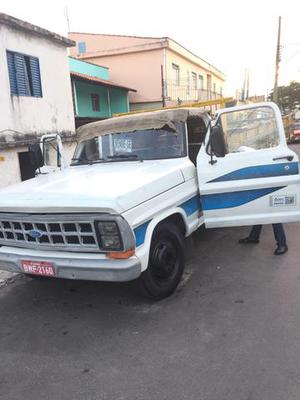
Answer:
(54, 111)
(9, 167)
(29, 115)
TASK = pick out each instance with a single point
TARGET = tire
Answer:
(166, 262)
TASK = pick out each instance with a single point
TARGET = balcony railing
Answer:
(185, 92)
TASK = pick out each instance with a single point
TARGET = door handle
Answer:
(289, 158)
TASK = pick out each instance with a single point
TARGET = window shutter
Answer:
(11, 72)
(20, 75)
(35, 76)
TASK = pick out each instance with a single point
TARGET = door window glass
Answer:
(250, 129)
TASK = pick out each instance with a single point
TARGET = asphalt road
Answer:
(230, 332)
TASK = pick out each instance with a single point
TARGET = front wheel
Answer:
(166, 262)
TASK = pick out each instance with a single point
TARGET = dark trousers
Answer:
(278, 233)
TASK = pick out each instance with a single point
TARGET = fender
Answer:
(143, 250)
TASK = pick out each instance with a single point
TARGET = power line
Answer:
(291, 44)
(292, 56)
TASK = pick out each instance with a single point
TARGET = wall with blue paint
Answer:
(118, 100)
(86, 68)
(83, 92)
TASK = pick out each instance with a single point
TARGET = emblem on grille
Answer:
(35, 234)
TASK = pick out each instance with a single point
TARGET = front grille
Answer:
(55, 231)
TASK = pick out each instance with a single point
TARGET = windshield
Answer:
(147, 144)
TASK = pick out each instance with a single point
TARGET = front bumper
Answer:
(86, 266)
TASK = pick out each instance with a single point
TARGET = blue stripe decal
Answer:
(192, 205)
(140, 233)
(234, 199)
(260, 171)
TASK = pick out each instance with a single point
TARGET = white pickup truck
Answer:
(121, 210)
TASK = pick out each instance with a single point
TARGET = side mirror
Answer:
(217, 141)
(35, 156)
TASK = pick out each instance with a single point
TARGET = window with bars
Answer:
(201, 82)
(175, 74)
(188, 83)
(24, 74)
(194, 81)
(95, 102)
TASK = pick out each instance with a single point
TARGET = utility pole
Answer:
(247, 84)
(245, 90)
(163, 87)
(278, 48)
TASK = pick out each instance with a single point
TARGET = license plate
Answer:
(38, 268)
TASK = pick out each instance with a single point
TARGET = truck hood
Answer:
(109, 187)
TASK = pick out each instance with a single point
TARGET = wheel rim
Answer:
(164, 261)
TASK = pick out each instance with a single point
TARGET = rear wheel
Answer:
(166, 262)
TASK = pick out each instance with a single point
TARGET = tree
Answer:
(288, 97)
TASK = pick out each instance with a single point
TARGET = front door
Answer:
(257, 181)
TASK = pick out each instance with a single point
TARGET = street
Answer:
(230, 332)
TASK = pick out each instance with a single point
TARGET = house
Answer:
(95, 96)
(163, 71)
(35, 95)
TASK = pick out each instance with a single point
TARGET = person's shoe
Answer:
(280, 250)
(248, 240)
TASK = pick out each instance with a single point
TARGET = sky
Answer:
(232, 35)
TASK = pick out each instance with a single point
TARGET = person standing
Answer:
(279, 237)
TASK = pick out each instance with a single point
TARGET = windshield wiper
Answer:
(118, 157)
(124, 156)
(79, 159)
(84, 161)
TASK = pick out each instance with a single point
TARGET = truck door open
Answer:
(256, 179)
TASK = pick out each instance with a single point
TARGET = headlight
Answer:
(111, 243)
(108, 228)
(114, 234)
(109, 236)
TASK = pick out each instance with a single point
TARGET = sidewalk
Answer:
(6, 277)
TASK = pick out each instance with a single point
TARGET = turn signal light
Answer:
(121, 255)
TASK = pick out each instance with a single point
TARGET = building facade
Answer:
(35, 95)
(162, 71)
(95, 96)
